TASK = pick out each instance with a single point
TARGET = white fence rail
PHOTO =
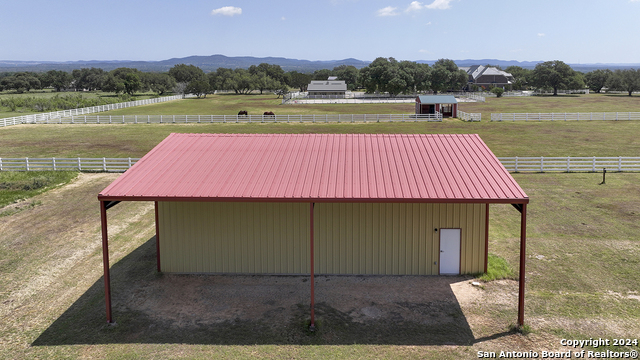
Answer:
(81, 164)
(513, 164)
(565, 116)
(570, 164)
(469, 116)
(189, 119)
(56, 115)
(477, 97)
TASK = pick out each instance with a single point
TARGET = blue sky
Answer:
(574, 31)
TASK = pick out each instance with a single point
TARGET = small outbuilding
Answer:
(327, 88)
(447, 105)
(358, 204)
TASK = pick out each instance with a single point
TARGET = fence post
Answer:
(619, 163)
(568, 163)
(0, 164)
(104, 164)
(594, 164)
(79, 165)
(129, 163)
(53, 161)
(616, 116)
(516, 164)
(27, 162)
(541, 163)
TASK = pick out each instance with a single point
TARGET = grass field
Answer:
(583, 250)
(597, 138)
(257, 104)
(583, 255)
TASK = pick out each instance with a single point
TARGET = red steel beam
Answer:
(312, 326)
(486, 240)
(157, 237)
(105, 260)
(523, 247)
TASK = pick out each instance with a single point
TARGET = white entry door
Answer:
(449, 251)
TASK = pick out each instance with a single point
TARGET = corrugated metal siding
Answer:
(273, 238)
(394, 239)
(213, 237)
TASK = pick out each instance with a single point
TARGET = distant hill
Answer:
(213, 62)
(206, 63)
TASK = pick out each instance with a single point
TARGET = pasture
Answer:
(583, 251)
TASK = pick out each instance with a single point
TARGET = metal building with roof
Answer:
(331, 87)
(384, 204)
(447, 105)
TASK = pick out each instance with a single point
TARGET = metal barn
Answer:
(447, 105)
(319, 204)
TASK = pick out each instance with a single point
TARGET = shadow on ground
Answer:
(246, 310)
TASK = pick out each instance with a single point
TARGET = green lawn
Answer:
(230, 104)
(597, 138)
(555, 104)
(583, 248)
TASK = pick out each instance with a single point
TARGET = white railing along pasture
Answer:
(469, 116)
(52, 116)
(570, 164)
(188, 119)
(565, 116)
(467, 95)
(513, 164)
(358, 100)
(81, 164)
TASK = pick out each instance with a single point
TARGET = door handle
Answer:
(441, 250)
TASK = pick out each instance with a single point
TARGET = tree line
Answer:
(556, 75)
(383, 75)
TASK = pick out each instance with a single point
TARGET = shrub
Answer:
(498, 91)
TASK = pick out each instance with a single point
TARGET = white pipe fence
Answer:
(80, 164)
(570, 164)
(565, 116)
(57, 115)
(359, 100)
(512, 164)
(196, 119)
(469, 116)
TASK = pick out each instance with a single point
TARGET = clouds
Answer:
(540, 34)
(416, 6)
(388, 11)
(227, 11)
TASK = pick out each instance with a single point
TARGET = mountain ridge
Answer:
(213, 62)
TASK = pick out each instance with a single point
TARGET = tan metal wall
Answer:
(213, 237)
(393, 239)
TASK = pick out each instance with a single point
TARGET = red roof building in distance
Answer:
(318, 168)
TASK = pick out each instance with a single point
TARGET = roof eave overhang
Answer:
(317, 200)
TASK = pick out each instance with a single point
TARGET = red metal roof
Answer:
(319, 168)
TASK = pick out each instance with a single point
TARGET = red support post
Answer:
(157, 238)
(312, 326)
(486, 240)
(105, 260)
(523, 246)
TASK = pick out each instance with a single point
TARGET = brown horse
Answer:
(243, 113)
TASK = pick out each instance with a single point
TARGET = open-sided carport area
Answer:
(319, 204)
